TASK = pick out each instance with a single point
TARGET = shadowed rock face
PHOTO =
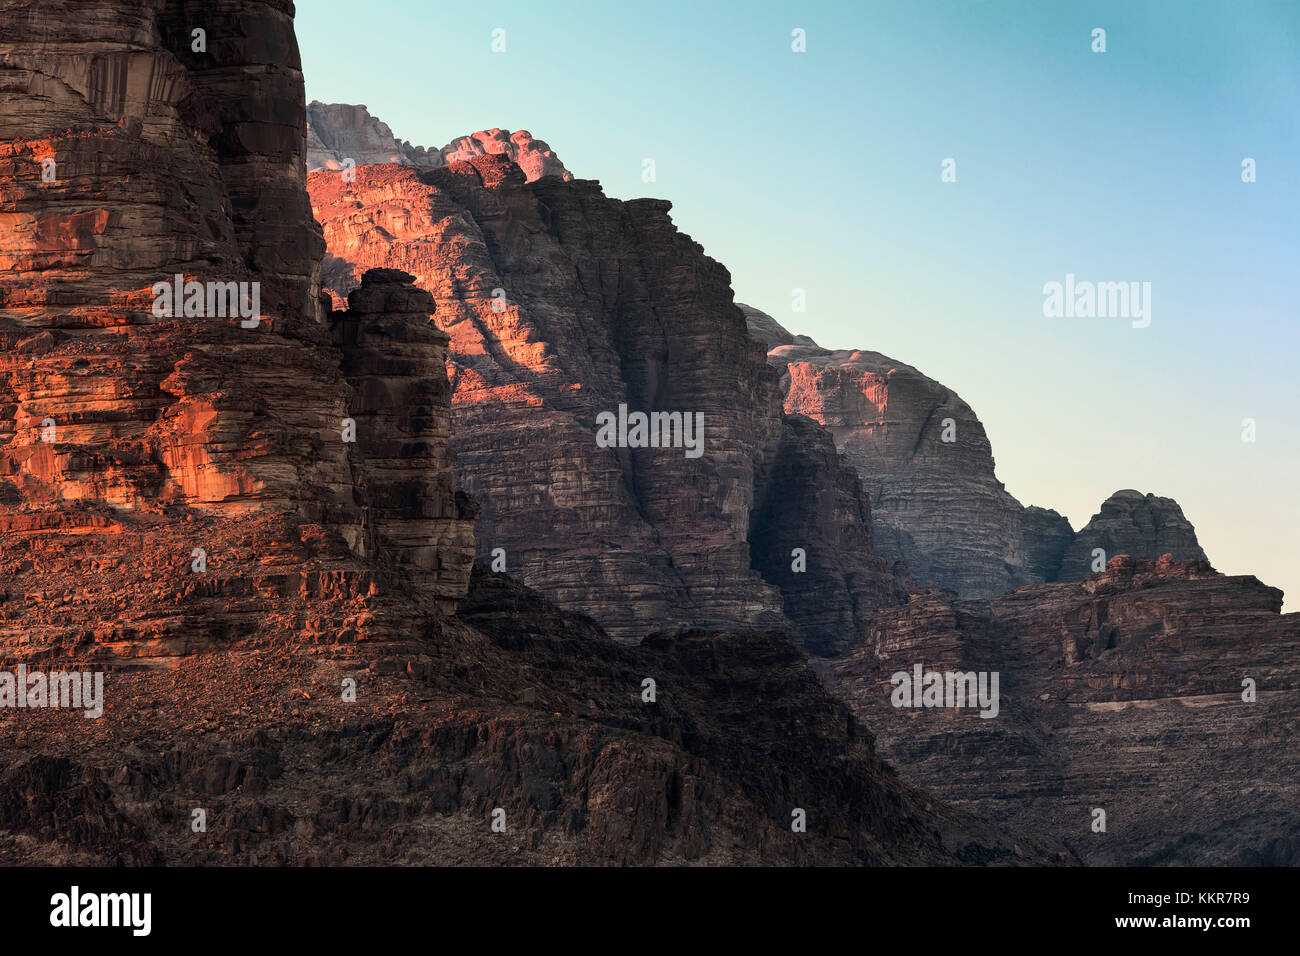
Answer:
(924, 461)
(562, 304)
(337, 132)
(514, 706)
(927, 466)
(394, 358)
(1123, 692)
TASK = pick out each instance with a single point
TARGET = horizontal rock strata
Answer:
(1122, 693)
(563, 305)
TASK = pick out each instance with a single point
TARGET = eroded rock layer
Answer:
(1161, 693)
(561, 305)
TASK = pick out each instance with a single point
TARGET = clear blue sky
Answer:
(821, 171)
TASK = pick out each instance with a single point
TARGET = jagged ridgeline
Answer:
(248, 523)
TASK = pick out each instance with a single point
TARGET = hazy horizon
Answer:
(821, 171)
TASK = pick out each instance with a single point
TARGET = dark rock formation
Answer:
(1122, 693)
(529, 711)
(394, 358)
(1129, 522)
(562, 305)
(337, 132)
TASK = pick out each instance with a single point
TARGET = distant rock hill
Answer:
(927, 466)
(337, 132)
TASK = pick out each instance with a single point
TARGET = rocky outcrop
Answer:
(1135, 524)
(923, 458)
(927, 466)
(394, 358)
(338, 132)
(768, 331)
(1161, 693)
(563, 305)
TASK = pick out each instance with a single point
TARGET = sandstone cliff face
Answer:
(514, 706)
(924, 460)
(927, 466)
(337, 132)
(562, 304)
(198, 511)
(1122, 693)
(167, 470)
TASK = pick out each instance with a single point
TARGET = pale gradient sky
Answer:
(821, 170)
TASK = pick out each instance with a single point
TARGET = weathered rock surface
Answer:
(138, 441)
(1123, 692)
(528, 710)
(1135, 524)
(337, 132)
(562, 304)
(198, 526)
(394, 358)
(927, 466)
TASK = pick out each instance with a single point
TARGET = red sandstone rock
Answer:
(197, 526)
(927, 466)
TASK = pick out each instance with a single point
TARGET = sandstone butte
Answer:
(561, 303)
(197, 524)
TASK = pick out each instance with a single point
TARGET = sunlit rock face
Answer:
(927, 466)
(339, 133)
(143, 433)
(563, 305)
(252, 528)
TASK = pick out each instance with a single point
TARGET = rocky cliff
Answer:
(239, 512)
(170, 387)
(564, 305)
(338, 132)
(1161, 693)
(927, 466)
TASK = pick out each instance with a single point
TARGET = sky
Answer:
(822, 171)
